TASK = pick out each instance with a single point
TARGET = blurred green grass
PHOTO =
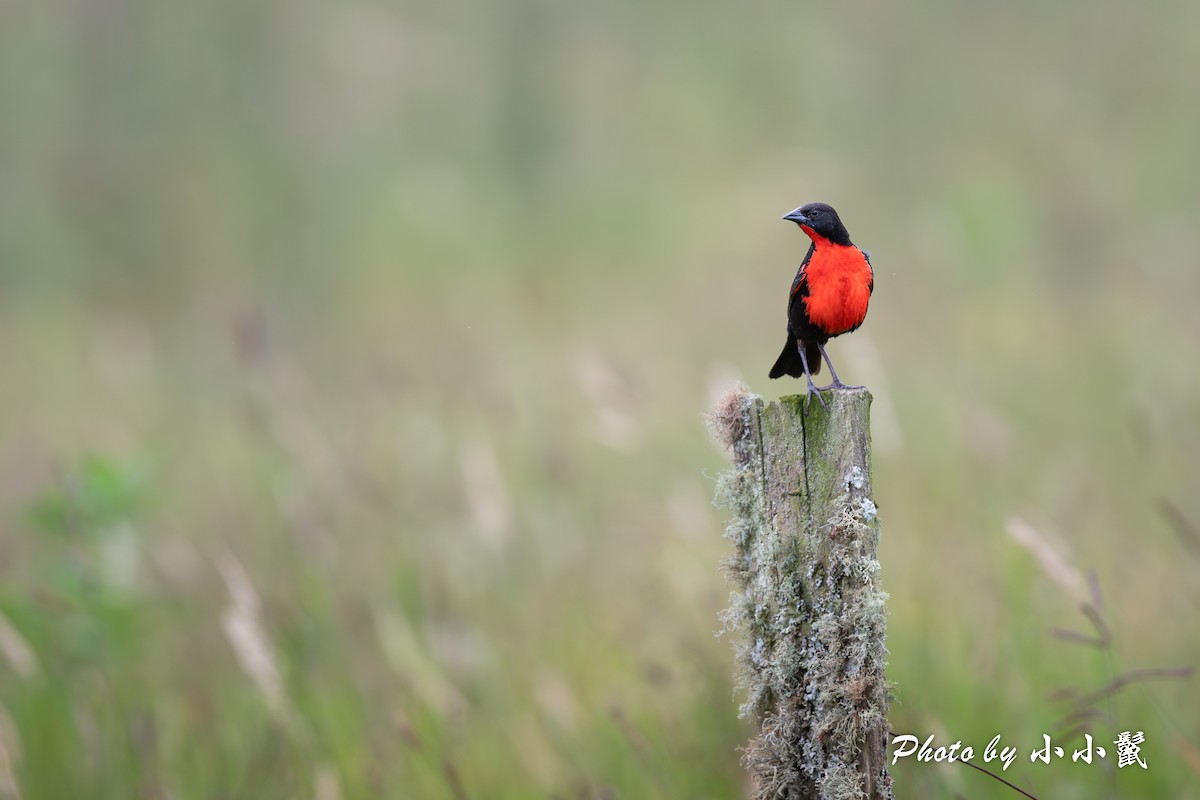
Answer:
(355, 359)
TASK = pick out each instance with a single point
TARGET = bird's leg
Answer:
(812, 389)
(837, 382)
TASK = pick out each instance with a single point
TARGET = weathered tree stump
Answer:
(810, 613)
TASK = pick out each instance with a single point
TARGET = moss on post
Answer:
(810, 613)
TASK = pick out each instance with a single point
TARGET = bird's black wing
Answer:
(799, 285)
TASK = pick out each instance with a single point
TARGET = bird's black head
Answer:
(822, 220)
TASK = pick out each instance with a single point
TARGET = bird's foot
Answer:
(837, 384)
(813, 389)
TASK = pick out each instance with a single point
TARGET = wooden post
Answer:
(809, 610)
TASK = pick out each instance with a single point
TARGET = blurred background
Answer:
(355, 359)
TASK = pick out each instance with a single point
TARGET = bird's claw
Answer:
(836, 385)
(812, 389)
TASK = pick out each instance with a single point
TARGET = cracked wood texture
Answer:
(811, 617)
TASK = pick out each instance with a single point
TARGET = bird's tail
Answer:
(789, 362)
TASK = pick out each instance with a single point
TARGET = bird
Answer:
(829, 297)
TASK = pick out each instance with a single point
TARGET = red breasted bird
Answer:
(829, 296)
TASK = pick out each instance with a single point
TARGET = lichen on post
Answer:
(809, 612)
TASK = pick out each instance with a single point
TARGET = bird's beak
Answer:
(796, 216)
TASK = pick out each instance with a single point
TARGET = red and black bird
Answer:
(829, 296)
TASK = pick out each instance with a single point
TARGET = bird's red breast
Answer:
(839, 281)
